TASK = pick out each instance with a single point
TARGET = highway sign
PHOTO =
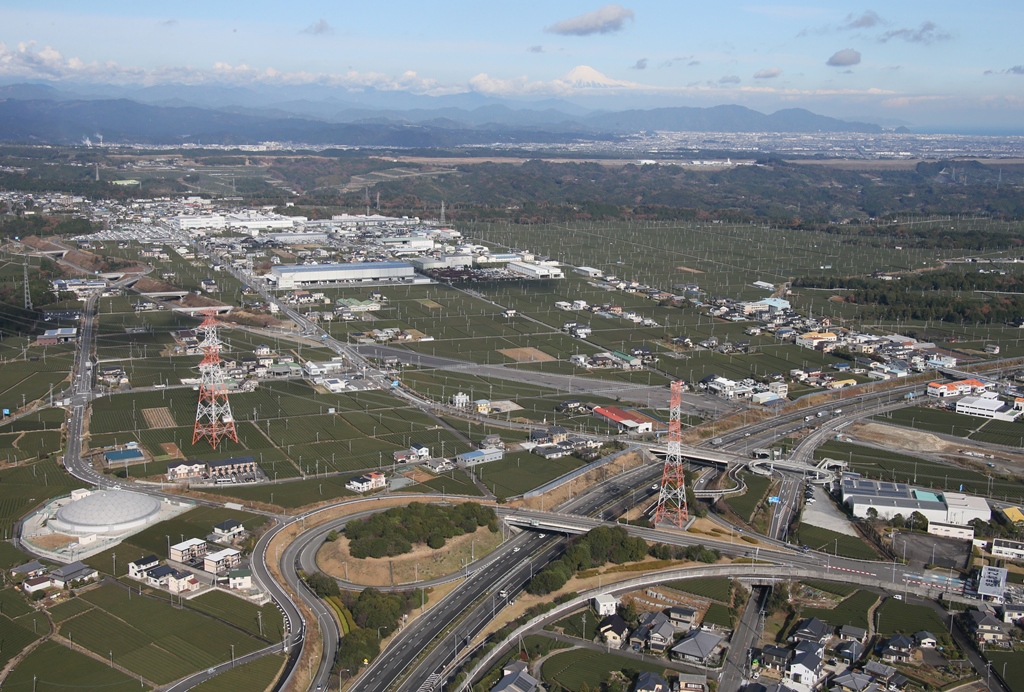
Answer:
(774, 500)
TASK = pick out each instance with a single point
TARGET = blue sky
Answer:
(935, 62)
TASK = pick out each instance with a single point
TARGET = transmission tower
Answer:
(672, 498)
(213, 414)
(28, 293)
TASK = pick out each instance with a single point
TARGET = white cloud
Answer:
(729, 79)
(640, 64)
(769, 73)
(318, 28)
(927, 33)
(866, 20)
(844, 58)
(606, 20)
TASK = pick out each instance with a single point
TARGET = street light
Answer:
(382, 627)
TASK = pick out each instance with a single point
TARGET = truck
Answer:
(717, 441)
(808, 418)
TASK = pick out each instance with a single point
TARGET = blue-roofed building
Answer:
(479, 456)
(123, 456)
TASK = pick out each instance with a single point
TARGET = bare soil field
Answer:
(689, 270)
(422, 563)
(429, 304)
(528, 354)
(158, 417)
(53, 541)
(171, 450)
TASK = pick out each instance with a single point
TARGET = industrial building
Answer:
(479, 456)
(988, 406)
(1002, 547)
(294, 276)
(532, 270)
(889, 499)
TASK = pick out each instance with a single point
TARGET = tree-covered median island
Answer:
(603, 545)
(395, 531)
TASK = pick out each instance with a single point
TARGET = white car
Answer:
(516, 549)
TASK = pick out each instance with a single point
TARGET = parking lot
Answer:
(924, 549)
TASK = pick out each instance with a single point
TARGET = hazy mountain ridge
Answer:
(38, 112)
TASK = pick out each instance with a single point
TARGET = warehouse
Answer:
(532, 270)
(479, 456)
(294, 276)
(889, 499)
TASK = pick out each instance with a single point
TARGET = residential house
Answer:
(240, 579)
(439, 465)
(775, 657)
(158, 576)
(605, 604)
(516, 678)
(851, 633)
(897, 649)
(1012, 613)
(662, 634)
(805, 666)
(74, 572)
(697, 646)
(222, 560)
(492, 441)
(37, 584)
(850, 650)
(686, 682)
(925, 639)
(180, 581)
(811, 630)
(229, 528)
(850, 681)
(613, 629)
(650, 682)
(985, 627)
(231, 467)
(682, 617)
(138, 568)
(374, 480)
(187, 551)
(882, 673)
(29, 570)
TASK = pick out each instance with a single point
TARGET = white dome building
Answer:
(105, 512)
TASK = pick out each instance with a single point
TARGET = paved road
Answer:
(746, 635)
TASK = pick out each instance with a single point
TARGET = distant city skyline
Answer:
(928, 64)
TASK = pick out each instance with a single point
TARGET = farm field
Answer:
(893, 466)
(852, 610)
(522, 471)
(11, 556)
(13, 603)
(832, 542)
(255, 675)
(150, 637)
(293, 493)
(832, 587)
(15, 637)
(746, 504)
(719, 615)
(25, 487)
(574, 624)
(898, 616)
(577, 667)
(715, 588)
(1014, 662)
(241, 613)
(27, 374)
(52, 666)
(454, 482)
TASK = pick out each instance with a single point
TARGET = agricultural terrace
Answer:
(53, 666)
(153, 540)
(286, 426)
(152, 638)
(893, 466)
(29, 485)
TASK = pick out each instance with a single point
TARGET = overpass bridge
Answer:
(825, 471)
(705, 457)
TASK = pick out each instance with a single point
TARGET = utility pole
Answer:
(28, 293)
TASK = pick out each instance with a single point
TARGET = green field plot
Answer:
(68, 609)
(578, 667)
(932, 420)
(11, 556)
(522, 471)
(1001, 432)
(718, 614)
(1014, 667)
(746, 504)
(24, 487)
(54, 667)
(255, 675)
(831, 541)
(582, 625)
(832, 587)
(44, 419)
(151, 637)
(28, 375)
(241, 613)
(13, 604)
(853, 610)
(892, 466)
(292, 493)
(28, 446)
(15, 637)
(898, 616)
(454, 482)
(715, 588)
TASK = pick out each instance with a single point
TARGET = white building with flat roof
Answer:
(289, 276)
(987, 407)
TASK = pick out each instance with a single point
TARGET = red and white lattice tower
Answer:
(213, 414)
(672, 498)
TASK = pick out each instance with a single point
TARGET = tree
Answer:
(332, 536)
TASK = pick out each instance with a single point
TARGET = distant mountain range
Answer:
(182, 114)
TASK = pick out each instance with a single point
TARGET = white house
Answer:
(138, 568)
(605, 604)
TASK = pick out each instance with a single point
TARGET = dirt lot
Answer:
(158, 417)
(422, 563)
(689, 270)
(526, 355)
(429, 304)
(53, 541)
(171, 450)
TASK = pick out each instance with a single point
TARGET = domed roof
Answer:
(106, 511)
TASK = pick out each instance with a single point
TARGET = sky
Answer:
(923, 63)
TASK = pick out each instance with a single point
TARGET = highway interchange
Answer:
(418, 655)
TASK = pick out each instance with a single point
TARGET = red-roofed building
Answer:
(625, 421)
